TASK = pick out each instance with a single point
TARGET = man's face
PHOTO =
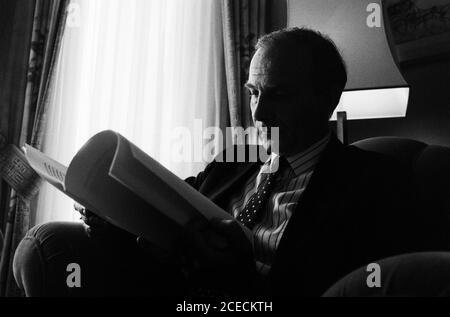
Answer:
(282, 96)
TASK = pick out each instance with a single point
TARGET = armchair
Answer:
(418, 274)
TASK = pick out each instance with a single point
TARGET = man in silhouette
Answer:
(326, 209)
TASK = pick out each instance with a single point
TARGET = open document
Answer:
(121, 184)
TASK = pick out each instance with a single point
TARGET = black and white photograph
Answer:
(224, 155)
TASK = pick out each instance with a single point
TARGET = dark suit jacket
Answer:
(358, 208)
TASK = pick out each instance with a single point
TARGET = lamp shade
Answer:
(375, 86)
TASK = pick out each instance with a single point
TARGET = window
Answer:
(139, 67)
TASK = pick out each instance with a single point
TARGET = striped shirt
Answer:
(290, 184)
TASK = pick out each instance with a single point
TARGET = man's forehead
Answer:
(279, 64)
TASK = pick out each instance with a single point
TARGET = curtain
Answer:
(243, 23)
(16, 18)
(36, 31)
(152, 70)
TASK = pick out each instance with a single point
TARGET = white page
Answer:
(160, 187)
(89, 181)
(126, 161)
(47, 168)
(201, 203)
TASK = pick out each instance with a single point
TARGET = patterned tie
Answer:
(253, 209)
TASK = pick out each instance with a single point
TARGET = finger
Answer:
(96, 221)
(230, 229)
(79, 208)
(204, 235)
(141, 242)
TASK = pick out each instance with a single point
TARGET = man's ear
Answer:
(326, 100)
(335, 94)
(333, 97)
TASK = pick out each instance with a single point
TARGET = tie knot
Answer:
(278, 164)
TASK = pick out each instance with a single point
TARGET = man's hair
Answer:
(328, 64)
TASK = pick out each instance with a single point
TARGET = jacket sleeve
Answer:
(196, 181)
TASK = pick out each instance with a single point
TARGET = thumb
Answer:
(229, 228)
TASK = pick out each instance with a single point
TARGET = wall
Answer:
(428, 116)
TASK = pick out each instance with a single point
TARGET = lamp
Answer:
(375, 86)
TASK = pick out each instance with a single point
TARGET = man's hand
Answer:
(96, 227)
(217, 255)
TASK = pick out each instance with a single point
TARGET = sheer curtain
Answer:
(140, 67)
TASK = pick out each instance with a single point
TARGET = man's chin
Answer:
(265, 143)
(271, 147)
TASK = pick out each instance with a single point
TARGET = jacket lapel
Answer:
(318, 202)
(230, 175)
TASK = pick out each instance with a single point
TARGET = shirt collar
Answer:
(307, 159)
(300, 162)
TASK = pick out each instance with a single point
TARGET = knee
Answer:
(425, 274)
(39, 259)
